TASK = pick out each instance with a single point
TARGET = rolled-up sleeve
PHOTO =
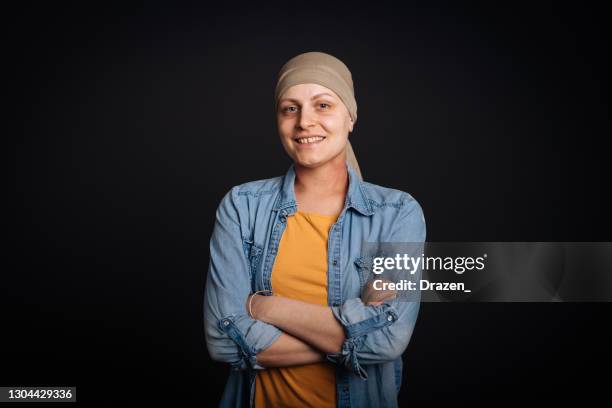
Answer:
(377, 334)
(232, 336)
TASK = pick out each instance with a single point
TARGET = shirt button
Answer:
(226, 322)
(390, 318)
(335, 262)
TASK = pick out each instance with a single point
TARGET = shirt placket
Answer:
(277, 232)
(334, 247)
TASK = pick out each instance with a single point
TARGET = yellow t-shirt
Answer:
(300, 272)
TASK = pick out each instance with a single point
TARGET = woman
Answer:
(286, 300)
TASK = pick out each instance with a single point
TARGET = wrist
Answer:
(256, 305)
(261, 307)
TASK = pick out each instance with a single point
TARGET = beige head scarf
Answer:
(328, 71)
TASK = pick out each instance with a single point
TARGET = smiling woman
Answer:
(318, 333)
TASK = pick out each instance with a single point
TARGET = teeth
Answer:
(306, 140)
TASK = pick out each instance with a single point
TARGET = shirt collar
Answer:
(356, 197)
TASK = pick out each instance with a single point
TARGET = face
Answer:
(313, 124)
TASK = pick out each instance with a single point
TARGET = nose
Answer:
(307, 118)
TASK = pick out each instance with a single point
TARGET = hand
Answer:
(371, 296)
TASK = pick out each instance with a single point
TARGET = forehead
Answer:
(307, 91)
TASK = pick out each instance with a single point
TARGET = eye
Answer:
(324, 104)
(287, 109)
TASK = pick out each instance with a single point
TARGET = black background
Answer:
(131, 122)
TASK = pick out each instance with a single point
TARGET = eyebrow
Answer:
(314, 97)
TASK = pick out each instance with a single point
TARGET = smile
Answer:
(309, 140)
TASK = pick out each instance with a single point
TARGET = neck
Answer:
(329, 178)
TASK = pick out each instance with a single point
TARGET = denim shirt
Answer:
(250, 221)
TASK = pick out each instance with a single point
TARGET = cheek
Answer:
(284, 127)
(335, 124)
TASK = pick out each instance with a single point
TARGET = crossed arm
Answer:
(309, 331)
(285, 332)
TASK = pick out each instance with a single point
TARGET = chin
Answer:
(309, 162)
(314, 161)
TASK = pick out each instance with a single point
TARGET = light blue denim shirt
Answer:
(250, 221)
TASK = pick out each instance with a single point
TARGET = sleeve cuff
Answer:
(358, 320)
(251, 336)
(347, 357)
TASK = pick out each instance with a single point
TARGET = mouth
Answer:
(312, 140)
